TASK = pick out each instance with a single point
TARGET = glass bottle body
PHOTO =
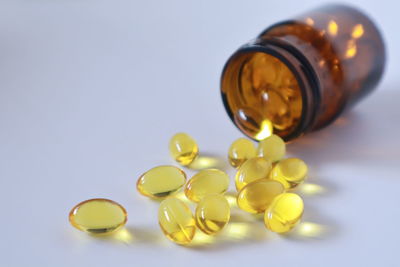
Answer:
(301, 74)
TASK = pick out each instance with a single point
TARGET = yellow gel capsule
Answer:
(290, 172)
(206, 182)
(183, 148)
(160, 182)
(257, 196)
(176, 221)
(284, 213)
(272, 148)
(98, 216)
(212, 214)
(241, 150)
(252, 170)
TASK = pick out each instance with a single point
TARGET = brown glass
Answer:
(336, 55)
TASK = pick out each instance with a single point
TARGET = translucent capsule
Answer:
(257, 196)
(183, 148)
(206, 182)
(284, 213)
(161, 181)
(241, 150)
(290, 172)
(98, 216)
(276, 108)
(212, 214)
(252, 170)
(176, 221)
(272, 148)
(253, 123)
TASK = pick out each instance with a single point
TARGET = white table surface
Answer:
(90, 93)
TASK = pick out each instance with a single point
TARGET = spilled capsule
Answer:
(272, 148)
(161, 182)
(290, 172)
(258, 195)
(183, 148)
(241, 150)
(206, 182)
(252, 170)
(212, 214)
(98, 216)
(176, 221)
(284, 213)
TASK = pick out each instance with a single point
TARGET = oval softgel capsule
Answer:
(212, 214)
(272, 148)
(251, 170)
(206, 182)
(258, 195)
(284, 213)
(183, 148)
(176, 221)
(98, 216)
(290, 172)
(161, 182)
(241, 150)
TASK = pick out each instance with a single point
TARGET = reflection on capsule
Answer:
(176, 221)
(284, 213)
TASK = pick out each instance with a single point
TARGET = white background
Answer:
(91, 92)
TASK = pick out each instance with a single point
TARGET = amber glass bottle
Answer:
(301, 74)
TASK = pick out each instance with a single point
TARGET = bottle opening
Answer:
(261, 94)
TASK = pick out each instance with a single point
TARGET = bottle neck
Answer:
(235, 94)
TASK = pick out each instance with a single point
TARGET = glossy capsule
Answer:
(252, 170)
(290, 172)
(241, 150)
(284, 213)
(257, 196)
(272, 148)
(212, 214)
(160, 182)
(98, 216)
(253, 123)
(176, 221)
(206, 182)
(183, 148)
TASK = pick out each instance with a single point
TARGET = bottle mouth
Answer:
(266, 89)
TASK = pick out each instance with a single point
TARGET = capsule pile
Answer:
(264, 180)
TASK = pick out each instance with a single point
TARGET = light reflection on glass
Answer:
(310, 21)
(332, 28)
(358, 31)
(351, 49)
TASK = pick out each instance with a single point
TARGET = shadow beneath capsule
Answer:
(316, 187)
(246, 228)
(314, 226)
(133, 235)
(123, 235)
(207, 161)
(242, 229)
